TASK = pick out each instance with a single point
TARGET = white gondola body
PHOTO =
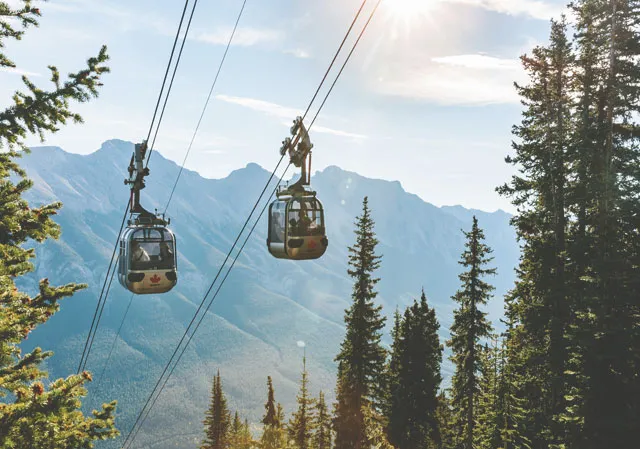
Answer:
(148, 261)
(296, 228)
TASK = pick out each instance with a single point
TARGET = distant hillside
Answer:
(266, 306)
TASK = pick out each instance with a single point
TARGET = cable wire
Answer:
(102, 298)
(213, 85)
(134, 431)
(82, 363)
(173, 76)
(113, 345)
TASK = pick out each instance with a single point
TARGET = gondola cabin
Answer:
(148, 260)
(296, 228)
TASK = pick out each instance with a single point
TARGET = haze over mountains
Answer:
(266, 305)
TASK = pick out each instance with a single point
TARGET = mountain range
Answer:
(267, 306)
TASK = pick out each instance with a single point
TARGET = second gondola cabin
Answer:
(147, 261)
(296, 228)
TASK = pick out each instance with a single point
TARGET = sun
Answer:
(408, 9)
(405, 14)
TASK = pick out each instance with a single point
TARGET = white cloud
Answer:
(298, 53)
(478, 62)
(286, 114)
(18, 71)
(532, 8)
(245, 37)
(458, 80)
(266, 107)
(337, 132)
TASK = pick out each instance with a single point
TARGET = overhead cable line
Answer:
(135, 430)
(213, 85)
(192, 139)
(103, 297)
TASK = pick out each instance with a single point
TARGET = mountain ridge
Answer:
(266, 305)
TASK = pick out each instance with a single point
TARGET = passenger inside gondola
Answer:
(151, 250)
(139, 254)
(277, 227)
(166, 254)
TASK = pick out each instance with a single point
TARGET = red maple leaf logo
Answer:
(155, 278)
(312, 244)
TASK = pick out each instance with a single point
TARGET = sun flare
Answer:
(407, 9)
(408, 14)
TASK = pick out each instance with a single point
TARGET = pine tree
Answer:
(374, 434)
(361, 360)
(469, 327)
(490, 411)
(301, 425)
(605, 341)
(394, 410)
(322, 437)
(240, 434)
(513, 413)
(575, 340)
(542, 193)
(270, 417)
(217, 422)
(235, 431)
(446, 422)
(416, 359)
(246, 440)
(32, 414)
(273, 434)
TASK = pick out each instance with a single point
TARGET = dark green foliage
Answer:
(40, 110)
(239, 434)
(574, 347)
(33, 415)
(217, 423)
(446, 422)
(512, 409)
(322, 438)
(489, 404)
(273, 433)
(270, 416)
(301, 425)
(415, 378)
(541, 192)
(361, 360)
(469, 327)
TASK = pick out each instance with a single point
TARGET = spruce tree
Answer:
(361, 360)
(490, 411)
(374, 436)
(322, 438)
(36, 413)
(301, 425)
(513, 412)
(246, 440)
(542, 193)
(235, 431)
(575, 343)
(217, 420)
(469, 327)
(605, 341)
(273, 433)
(270, 417)
(446, 422)
(394, 411)
(413, 422)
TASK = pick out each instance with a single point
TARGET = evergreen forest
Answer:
(565, 372)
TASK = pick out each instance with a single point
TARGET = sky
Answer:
(426, 99)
